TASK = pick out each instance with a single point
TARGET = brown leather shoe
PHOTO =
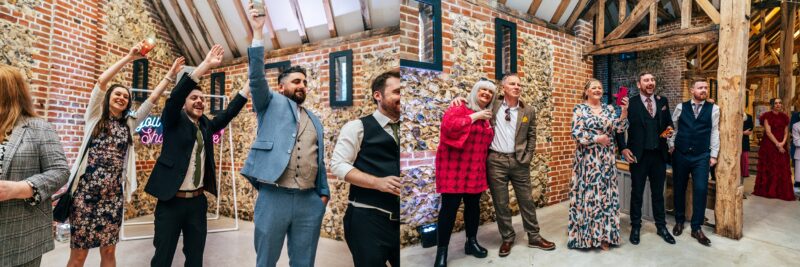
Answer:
(541, 243)
(505, 248)
(701, 237)
(678, 229)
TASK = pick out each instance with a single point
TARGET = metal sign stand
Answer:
(219, 174)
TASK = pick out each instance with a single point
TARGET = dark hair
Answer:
(379, 84)
(643, 73)
(102, 125)
(772, 101)
(290, 70)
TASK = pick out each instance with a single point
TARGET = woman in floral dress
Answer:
(593, 198)
(106, 169)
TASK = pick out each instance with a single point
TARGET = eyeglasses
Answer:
(508, 114)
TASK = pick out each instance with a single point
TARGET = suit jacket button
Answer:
(294, 135)
(289, 151)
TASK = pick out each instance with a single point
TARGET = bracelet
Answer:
(36, 198)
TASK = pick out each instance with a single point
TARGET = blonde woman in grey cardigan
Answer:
(106, 167)
(32, 167)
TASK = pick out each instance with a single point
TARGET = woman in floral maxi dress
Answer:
(594, 200)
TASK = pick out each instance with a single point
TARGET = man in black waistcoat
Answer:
(647, 152)
(694, 148)
(367, 155)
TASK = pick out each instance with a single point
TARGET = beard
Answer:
(297, 96)
(392, 108)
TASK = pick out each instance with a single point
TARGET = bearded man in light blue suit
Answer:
(285, 164)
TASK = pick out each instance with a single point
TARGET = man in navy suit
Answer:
(285, 163)
(694, 148)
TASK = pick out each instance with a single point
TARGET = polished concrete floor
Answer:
(771, 238)
(223, 249)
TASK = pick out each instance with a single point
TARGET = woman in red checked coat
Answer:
(461, 166)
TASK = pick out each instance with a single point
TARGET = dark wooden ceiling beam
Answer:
(243, 17)
(534, 7)
(185, 23)
(710, 10)
(329, 16)
(223, 26)
(625, 27)
(172, 31)
(301, 25)
(562, 7)
(365, 17)
(576, 13)
(201, 25)
(681, 37)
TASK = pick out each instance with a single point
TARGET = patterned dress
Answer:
(593, 195)
(98, 199)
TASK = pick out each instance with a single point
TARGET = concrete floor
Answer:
(232, 248)
(771, 238)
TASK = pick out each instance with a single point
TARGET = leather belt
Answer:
(391, 216)
(189, 194)
(501, 153)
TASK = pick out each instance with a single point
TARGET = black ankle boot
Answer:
(441, 257)
(473, 248)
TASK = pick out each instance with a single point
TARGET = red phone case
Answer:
(623, 92)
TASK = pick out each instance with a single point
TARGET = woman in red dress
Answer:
(774, 179)
(461, 167)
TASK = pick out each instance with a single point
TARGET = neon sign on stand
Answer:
(151, 132)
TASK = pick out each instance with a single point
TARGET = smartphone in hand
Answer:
(623, 92)
(259, 6)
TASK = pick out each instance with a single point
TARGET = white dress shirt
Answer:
(714, 126)
(505, 131)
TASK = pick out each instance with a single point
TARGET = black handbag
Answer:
(64, 206)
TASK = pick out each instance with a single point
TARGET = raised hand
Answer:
(481, 115)
(458, 101)
(214, 57)
(134, 52)
(177, 66)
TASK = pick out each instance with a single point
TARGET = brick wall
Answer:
(68, 51)
(468, 28)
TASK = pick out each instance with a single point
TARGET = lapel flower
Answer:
(524, 118)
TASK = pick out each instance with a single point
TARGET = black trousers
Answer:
(187, 215)
(372, 237)
(696, 165)
(448, 211)
(651, 166)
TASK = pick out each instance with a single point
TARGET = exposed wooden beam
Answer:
(637, 14)
(787, 51)
(591, 11)
(534, 7)
(172, 31)
(732, 87)
(576, 13)
(223, 26)
(271, 29)
(661, 11)
(329, 15)
(502, 1)
(686, 14)
(653, 19)
(710, 10)
(562, 7)
(187, 28)
(622, 9)
(301, 25)
(246, 22)
(682, 37)
(364, 14)
(201, 25)
(698, 59)
(600, 22)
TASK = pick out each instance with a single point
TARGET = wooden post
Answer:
(600, 22)
(785, 87)
(653, 19)
(731, 79)
(686, 14)
(623, 10)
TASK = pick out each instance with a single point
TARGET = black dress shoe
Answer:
(635, 235)
(701, 238)
(441, 257)
(664, 234)
(473, 248)
(678, 229)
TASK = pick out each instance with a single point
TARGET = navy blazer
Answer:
(179, 141)
(277, 131)
(636, 116)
